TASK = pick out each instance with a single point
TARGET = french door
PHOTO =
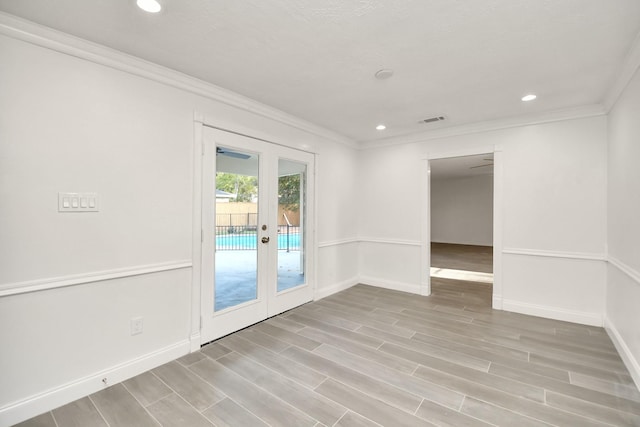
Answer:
(257, 245)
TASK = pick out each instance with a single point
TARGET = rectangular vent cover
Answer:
(432, 119)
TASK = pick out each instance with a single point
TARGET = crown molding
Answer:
(58, 41)
(490, 125)
(629, 68)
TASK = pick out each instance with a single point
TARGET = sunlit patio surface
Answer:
(236, 276)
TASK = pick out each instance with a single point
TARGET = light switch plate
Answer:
(78, 202)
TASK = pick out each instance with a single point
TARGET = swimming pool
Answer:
(248, 241)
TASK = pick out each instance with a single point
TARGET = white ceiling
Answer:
(470, 61)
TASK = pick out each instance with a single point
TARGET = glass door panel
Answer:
(236, 227)
(257, 248)
(291, 223)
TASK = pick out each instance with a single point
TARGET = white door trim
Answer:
(198, 285)
(498, 195)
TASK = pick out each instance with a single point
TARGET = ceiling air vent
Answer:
(432, 119)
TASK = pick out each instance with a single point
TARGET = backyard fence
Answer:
(238, 232)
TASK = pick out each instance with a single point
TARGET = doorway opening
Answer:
(461, 224)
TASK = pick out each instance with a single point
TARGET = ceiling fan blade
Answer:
(481, 166)
(232, 154)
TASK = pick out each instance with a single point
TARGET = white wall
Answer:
(462, 210)
(623, 275)
(71, 125)
(553, 214)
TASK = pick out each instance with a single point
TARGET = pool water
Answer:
(250, 241)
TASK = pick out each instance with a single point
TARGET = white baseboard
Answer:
(330, 290)
(413, 288)
(19, 411)
(627, 356)
(582, 317)
(496, 302)
(195, 342)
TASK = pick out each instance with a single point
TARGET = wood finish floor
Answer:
(369, 356)
(462, 257)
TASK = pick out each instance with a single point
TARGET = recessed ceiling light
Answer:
(529, 97)
(383, 74)
(151, 6)
(381, 127)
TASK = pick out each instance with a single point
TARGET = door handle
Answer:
(265, 240)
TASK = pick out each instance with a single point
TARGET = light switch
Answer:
(77, 202)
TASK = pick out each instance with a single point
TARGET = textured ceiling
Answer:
(470, 61)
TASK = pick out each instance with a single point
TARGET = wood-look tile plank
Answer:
(575, 366)
(515, 388)
(555, 344)
(351, 419)
(496, 415)
(42, 420)
(549, 384)
(340, 332)
(147, 388)
(266, 341)
(191, 358)
(470, 330)
(79, 413)
(188, 385)
(381, 390)
(364, 319)
(421, 388)
(228, 413)
(284, 323)
(573, 357)
(614, 388)
(173, 411)
(356, 310)
(330, 320)
(463, 345)
(120, 409)
(375, 409)
(446, 417)
(298, 396)
(428, 349)
(505, 400)
(470, 348)
(288, 368)
(289, 337)
(597, 412)
(385, 359)
(339, 301)
(262, 404)
(440, 316)
(213, 350)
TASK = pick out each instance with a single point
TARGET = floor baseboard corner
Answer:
(630, 361)
(336, 287)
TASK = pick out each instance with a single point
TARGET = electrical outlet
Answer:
(136, 325)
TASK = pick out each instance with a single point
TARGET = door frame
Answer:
(498, 203)
(201, 121)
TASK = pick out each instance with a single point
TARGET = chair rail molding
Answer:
(96, 276)
(556, 254)
(629, 271)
